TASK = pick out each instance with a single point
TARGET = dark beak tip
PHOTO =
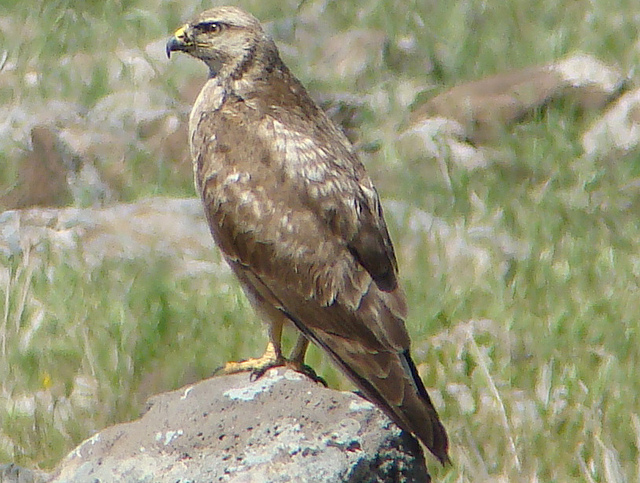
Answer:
(172, 45)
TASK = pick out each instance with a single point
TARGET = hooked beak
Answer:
(179, 42)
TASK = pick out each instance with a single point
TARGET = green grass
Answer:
(532, 358)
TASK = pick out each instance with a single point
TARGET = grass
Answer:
(531, 358)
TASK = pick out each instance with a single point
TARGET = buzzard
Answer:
(298, 220)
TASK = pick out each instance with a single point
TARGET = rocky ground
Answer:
(282, 427)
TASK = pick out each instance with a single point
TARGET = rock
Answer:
(170, 227)
(54, 172)
(42, 173)
(444, 140)
(487, 106)
(617, 131)
(280, 428)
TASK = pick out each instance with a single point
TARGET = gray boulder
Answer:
(282, 427)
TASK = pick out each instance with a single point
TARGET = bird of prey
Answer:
(298, 220)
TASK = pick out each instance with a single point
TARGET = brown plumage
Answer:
(298, 220)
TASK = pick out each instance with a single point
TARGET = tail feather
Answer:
(399, 393)
(435, 430)
(402, 397)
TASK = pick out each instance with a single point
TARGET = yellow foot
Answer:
(271, 358)
(257, 367)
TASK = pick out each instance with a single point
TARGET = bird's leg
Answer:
(272, 357)
(299, 351)
(296, 360)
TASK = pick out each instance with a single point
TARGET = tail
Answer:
(400, 393)
(390, 379)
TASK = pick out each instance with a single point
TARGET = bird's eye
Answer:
(209, 27)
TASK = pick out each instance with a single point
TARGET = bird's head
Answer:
(227, 39)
